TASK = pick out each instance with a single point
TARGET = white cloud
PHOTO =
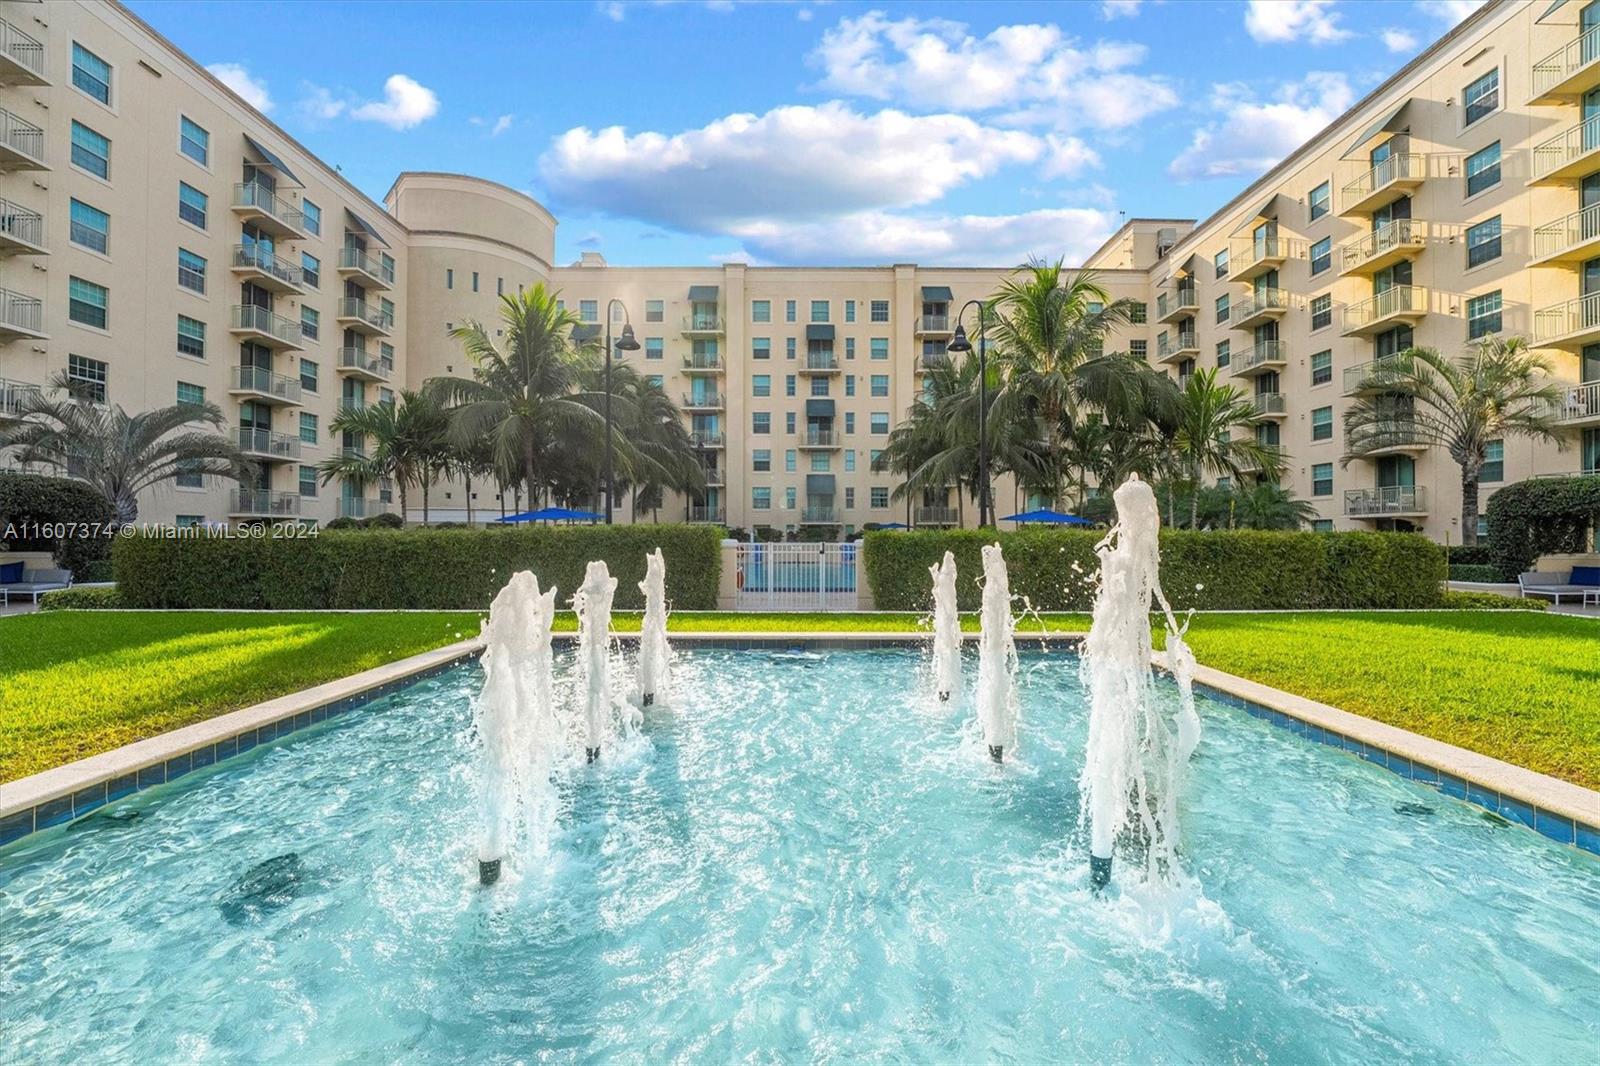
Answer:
(319, 104)
(1036, 70)
(1399, 41)
(495, 126)
(1067, 157)
(612, 9)
(252, 90)
(1280, 21)
(1450, 11)
(791, 163)
(884, 237)
(1119, 9)
(1254, 134)
(406, 103)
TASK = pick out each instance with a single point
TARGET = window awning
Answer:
(819, 333)
(819, 485)
(268, 158)
(1267, 210)
(585, 332)
(1190, 265)
(1393, 122)
(937, 293)
(703, 293)
(356, 224)
(1551, 10)
(819, 408)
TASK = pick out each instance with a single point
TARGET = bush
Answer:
(1219, 570)
(30, 498)
(384, 520)
(1473, 554)
(75, 599)
(1541, 516)
(1489, 601)
(342, 522)
(1473, 572)
(450, 569)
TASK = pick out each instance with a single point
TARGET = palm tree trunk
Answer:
(426, 481)
(400, 483)
(1469, 511)
(1194, 500)
(467, 475)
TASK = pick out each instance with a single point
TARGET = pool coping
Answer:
(1559, 810)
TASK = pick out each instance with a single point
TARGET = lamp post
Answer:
(624, 343)
(959, 343)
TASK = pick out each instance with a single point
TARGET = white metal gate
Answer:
(797, 577)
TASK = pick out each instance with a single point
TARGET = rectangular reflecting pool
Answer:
(803, 857)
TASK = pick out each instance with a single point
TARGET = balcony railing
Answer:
(1403, 167)
(1248, 256)
(265, 442)
(22, 50)
(23, 138)
(1567, 61)
(1401, 234)
(819, 438)
(819, 515)
(713, 478)
(703, 361)
(1266, 353)
(707, 440)
(1387, 500)
(1260, 302)
(253, 319)
(264, 503)
(1269, 403)
(1183, 298)
(372, 266)
(704, 513)
(1387, 435)
(1575, 317)
(361, 361)
(704, 324)
(257, 258)
(703, 400)
(263, 382)
(934, 324)
(937, 516)
(254, 196)
(1167, 346)
(1378, 375)
(821, 361)
(1408, 300)
(1552, 158)
(1579, 403)
(20, 225)
(360, 507)
(358, 309)
(1572, 231)
(21, 314)
(15, 395)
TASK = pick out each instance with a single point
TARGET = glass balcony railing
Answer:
(1263, 354)
(1268, 404)
(819, 438)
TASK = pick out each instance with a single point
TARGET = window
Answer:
(1322, 479)
(789, 385)
(1322, 525)
(194, 141)
(761, 422)
(312, 215)
(1483, 242)
(1222, 308)
(1483, 169)
(474, 281)
(789, 311)
(189, 476)
(310, 323)
(655, 311)
(1138, 314)
(849, 497)
(86, 302)
(91, 73)
(655, 347)
(90, 151)
(1139, 348)
(499, 283)
(761, 385)
(880, 347)
(308, 428)
(1321, 255)
(588, 310)
(789, 497)
(191, 337)
(849, 347)
(449, 278)
(191, 205)
(1483, 315)
(87, 377)
(311, 268)
(1219, 263)
(880, 423)
(761, 498)
(1322, 311)
(1482, 96)
(1494, 461)
(761, 310)
(308, 481)
(191, 270)
(1224, 353)
(386, 355)
(880, 496)
(761, 347)
(821, 462)
(91, 227)
(1321, 200)
(880, 311)
(761, 459)
(788, 347)
(308, 374)
(849, 421)
(880, 384)
(849, 462)
(820, 310)
(1321, 368)
(188, 393)
(1322, 423)
(849, 310)
(790, 460)
(189, 521)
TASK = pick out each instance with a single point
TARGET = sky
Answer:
(687, 132)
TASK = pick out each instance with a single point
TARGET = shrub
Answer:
(1219, 570)
(1474, 554)
(1541, 516)
(76, 599)
(449, 569)
(1473, 572)
(30, 498)
(342, 522)
(1489, 601)
(384, 520)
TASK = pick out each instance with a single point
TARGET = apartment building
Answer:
(161, 240)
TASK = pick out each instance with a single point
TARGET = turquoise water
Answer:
(804, 860)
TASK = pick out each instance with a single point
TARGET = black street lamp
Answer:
(625, 343)
(959, 343)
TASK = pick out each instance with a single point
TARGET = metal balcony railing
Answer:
(1579, 403)
(821, 361)
(260, 320)
(1259, 302)
(704, 324)
(364, 362)
(264, 503)
(356, 259)
(254, 441)
(934, 324)
(1179, 342)
(1267, 353)
(255, 196)
(22, 49)
(1566, 147)
(936, 516)
(704, 513)
(1387, 500)
(1401, 233)
(15, 395)
(1380, 436)
(20, 224)
(1575, 316)
(1564, 62)
(707, 440)
(1570, 231)
(260, 380)
(703, 361)
(820, 515)
(257, 258)
(1405, 166)
(21, 136)
(1269, 403)
(357, 308)
(1399, 300)
(1377, 375)
(19, 312)
(360, 507)
(819, 438)
(703, 400)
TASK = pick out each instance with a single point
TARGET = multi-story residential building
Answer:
(162, 240)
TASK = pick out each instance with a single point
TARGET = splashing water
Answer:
(1138, 751)
(946, 630)
(593, 605)
(653, 652)
(518, 730)
(997, 658)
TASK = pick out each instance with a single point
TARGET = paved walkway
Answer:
(19, 607)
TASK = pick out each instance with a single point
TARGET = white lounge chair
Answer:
(34, 583)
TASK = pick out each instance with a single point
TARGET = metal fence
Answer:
(797, 577)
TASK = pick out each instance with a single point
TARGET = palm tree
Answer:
(406, 441)
(653, 448)
(1492, 391)
(121, 455)
(1271, 506)
(1204, 443)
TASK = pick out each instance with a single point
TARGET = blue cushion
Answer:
(10, 573)
(1585, 575)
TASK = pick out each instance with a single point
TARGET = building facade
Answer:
(160, 240)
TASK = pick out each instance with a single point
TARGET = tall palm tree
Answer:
(1204, 443)
(121, 455)
(653, 448)
(406, 441)
(1495, 390)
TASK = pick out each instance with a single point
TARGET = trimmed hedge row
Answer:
(26, 499)
(98, 598)
(1474, 572)
(428, 569)
(1206, 570)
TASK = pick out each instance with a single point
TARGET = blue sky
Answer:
(691, 132)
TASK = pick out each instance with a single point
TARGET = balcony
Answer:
(1251, 258)
(704, 326)
(20, 316)
(714, 479)
(362, 364)
(820, 363)
(937, 516)
(1568, 155)
(370, 269)
(703, 401)
(1579, 405)
(21, 57)
(15, 395)
(254, 202)
(255, 264)
(818, 440)
(1402, 304)
(1393, 436)
(357, 314)
(1275, 453)
(361, 507)
(1571, 239)
(1380, 375)
(1260, 306)
(21, 230)
(252, 323)
(819, 515)
(935, 325)
(1183, 301)
(263, 503)
(707, 440)
(1391, 501)
(259, 383)
(706, 513)
(21, 144)
(1267, 355)
(702, 363)
(1270, 405)
(1570, 324)
(351, 404)
(1385, 246)
(1385, 183)
(1569, 71)
(265, 444)
(1177, 347)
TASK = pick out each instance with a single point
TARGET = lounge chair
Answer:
(34, 583)
(1574, 584)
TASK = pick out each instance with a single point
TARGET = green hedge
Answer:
(1541, 516)
(1473, 572)
(84, 599)
(30, 498)
(443, 569)
(1215, 570)
(1489, 601)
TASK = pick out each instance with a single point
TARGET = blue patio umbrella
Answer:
(552, 514)
(892, 525)
(1049, 517)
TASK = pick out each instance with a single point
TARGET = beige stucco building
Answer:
(160, 239)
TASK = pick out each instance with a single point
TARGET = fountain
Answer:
(1137, 753)
(517, 727)
(997, 658)
(946, 630)
(593, 604)
(653, 663)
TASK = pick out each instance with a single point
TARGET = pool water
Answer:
(805, 859)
